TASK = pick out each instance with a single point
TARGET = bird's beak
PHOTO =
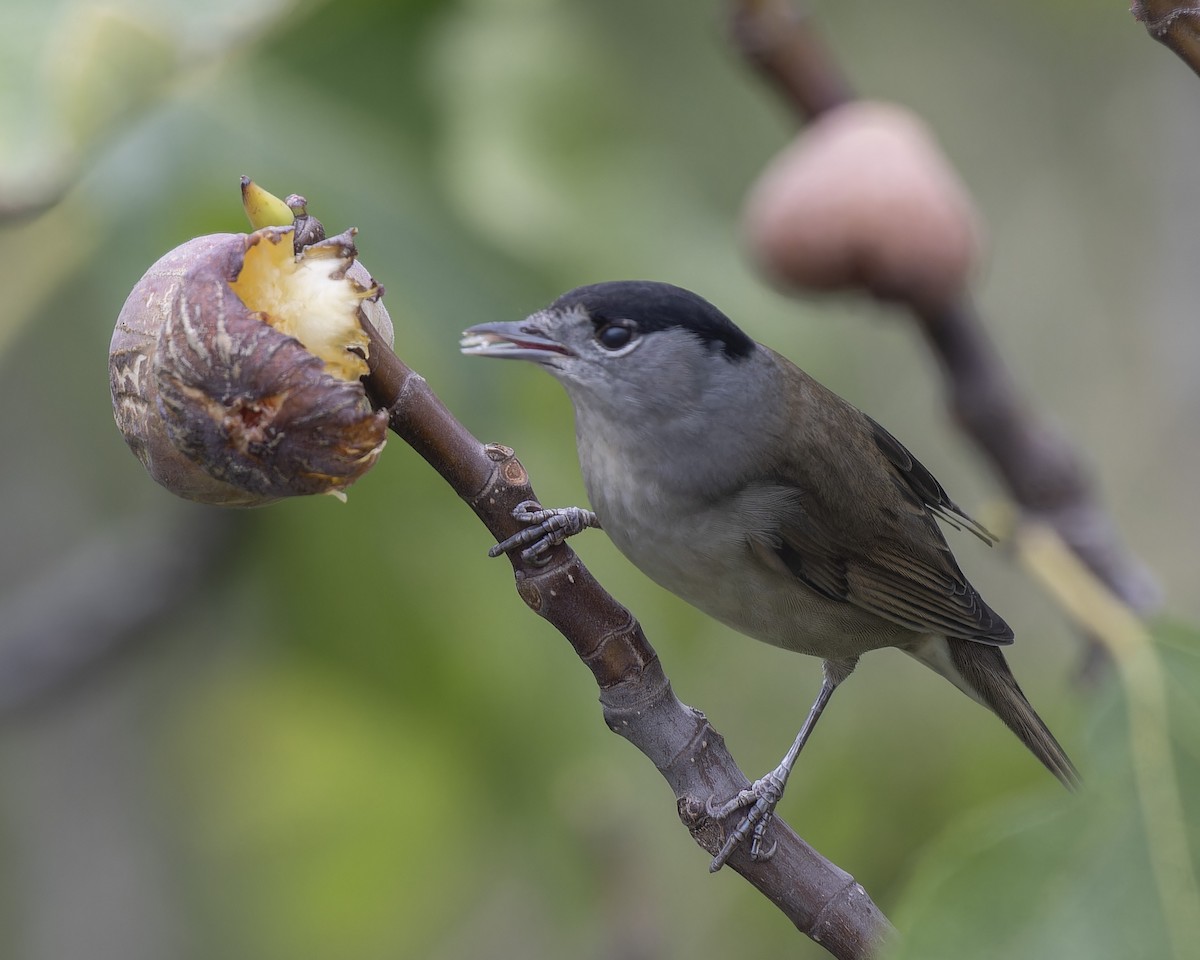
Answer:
(512, 341)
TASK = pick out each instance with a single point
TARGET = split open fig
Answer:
(235, 367)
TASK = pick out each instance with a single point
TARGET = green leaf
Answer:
(1064, 876)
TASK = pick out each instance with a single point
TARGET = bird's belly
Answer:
(713, 568)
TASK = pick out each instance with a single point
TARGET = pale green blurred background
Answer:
(353, 741)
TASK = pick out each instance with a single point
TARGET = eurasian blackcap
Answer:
(732, 478)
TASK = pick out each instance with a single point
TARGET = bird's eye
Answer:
(614, 336)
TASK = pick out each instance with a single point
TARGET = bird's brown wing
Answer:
(890, 557)
(910, 475)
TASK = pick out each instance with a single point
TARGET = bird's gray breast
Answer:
(712, 548)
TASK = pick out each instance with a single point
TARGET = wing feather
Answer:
(889, 556)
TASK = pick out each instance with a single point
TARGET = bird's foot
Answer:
(545, 530)
(761, 798)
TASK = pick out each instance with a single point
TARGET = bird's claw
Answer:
(544, 530)
(761, 798)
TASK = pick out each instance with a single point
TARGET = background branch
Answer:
(821, 899)
(101, 598)
(1040, 468)
(774, 36)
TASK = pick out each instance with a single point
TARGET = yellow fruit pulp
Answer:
(301, 297)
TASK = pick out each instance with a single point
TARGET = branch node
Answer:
(508, 474)
(498, 451)
(619, 635)
(529, 591)
(831, 919)
(707, 831)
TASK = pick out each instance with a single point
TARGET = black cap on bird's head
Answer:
(605, 322)
(629, 350)
(652, 306)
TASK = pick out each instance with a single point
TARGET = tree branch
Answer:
(1174, 25)
(1039, 466)
(821, 899)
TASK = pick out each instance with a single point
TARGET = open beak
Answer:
(511, 341)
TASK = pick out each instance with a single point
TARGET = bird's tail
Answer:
(980, 671)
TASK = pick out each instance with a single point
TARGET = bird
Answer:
(738, 482)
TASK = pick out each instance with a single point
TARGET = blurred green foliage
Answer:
(1038, 878)
(357, 743)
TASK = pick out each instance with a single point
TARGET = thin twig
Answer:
(821, 899)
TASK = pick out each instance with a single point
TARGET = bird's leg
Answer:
(764, 794)
(545, 530)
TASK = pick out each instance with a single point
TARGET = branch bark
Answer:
(1174, 25)
(820, 898)
(1041, 469)
(774, 36)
